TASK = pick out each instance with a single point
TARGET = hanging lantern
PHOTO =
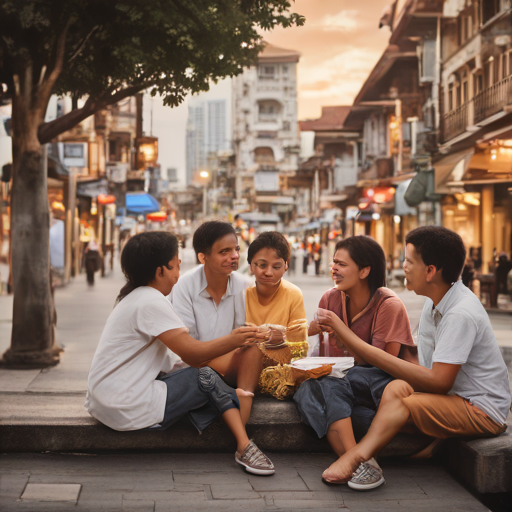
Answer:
(106, 199)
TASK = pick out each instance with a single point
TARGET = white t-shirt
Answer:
(205, 319)
(458, 331)
(122, 391)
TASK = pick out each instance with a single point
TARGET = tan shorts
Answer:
(445, 416)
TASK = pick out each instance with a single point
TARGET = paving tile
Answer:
(397, 487)
(68, 378)
(138, 505)
(302, 495)
(313, 479)
(297, 505)
(210, 478)
(430, 505)
(233, 491)
(100, 499)
(51, 492)
(216, 506)
(16, 381)
(13, 484)
(284, 480)
(179, 487)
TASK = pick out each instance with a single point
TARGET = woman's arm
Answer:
(194, 352)
(438, 380)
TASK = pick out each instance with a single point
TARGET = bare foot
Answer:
(341, 471)
(242, 393)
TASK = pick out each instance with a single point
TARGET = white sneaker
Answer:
(366, 477)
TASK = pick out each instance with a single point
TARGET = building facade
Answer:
(265, 131)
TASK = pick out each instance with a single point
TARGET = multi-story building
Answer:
(208, 130)
(474, 167)
(265, 131)
(325, 182)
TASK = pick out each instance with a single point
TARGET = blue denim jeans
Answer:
(199, 392)
(323, 401)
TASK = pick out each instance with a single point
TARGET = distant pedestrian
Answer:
(92, 260)
(139, 377)
(305, 255)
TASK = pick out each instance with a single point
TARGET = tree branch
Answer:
(48, 131)
(82, 45)
(46, 88)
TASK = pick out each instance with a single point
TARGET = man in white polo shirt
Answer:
(461, 387)
(206, 301)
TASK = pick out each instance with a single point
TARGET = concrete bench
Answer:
(40, 423)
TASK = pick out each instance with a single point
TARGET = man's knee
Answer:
(397, 389)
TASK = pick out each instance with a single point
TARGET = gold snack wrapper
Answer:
(281, 381)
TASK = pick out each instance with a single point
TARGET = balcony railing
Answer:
(455, 122)
(493, 99)
(485, 104)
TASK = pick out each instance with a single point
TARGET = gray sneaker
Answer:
(255, 461)
(366, 477)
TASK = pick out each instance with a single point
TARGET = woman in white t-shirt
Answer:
(145, 372)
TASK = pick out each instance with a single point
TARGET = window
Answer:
(286, 126)
(489, 72)
(478, 82)
(489, 9)
(267, 72)
(465, 91)
(450, 97)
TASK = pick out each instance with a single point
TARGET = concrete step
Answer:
(41, 422)
(59, 423)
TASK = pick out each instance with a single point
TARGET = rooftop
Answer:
(332, 118)
(274, 54)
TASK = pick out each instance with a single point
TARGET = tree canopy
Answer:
(106, 51)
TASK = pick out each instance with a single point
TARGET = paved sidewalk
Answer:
(214, 482)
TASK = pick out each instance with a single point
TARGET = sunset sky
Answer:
(339, 45)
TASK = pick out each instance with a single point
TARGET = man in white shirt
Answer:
(461, 387)
(206, 300)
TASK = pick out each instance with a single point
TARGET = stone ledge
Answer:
(57, 423)
(483, 464)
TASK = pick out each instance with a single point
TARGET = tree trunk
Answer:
(33, 336)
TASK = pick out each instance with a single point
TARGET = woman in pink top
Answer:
(378, 317)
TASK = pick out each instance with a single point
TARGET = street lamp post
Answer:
(205, 175)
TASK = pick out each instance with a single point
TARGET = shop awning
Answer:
(262, 218)
(141, 203)
(275, 199)
(451, 168)
(92, 188)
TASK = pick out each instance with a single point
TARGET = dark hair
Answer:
(440, 247)
(142, 255)
(366, 252)
(208, 233)
(270, 240)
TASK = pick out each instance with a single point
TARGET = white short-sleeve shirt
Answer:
(458, 331)
(122, 391)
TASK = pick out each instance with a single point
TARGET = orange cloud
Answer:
(339, 43)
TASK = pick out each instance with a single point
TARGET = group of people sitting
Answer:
(196, 346)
